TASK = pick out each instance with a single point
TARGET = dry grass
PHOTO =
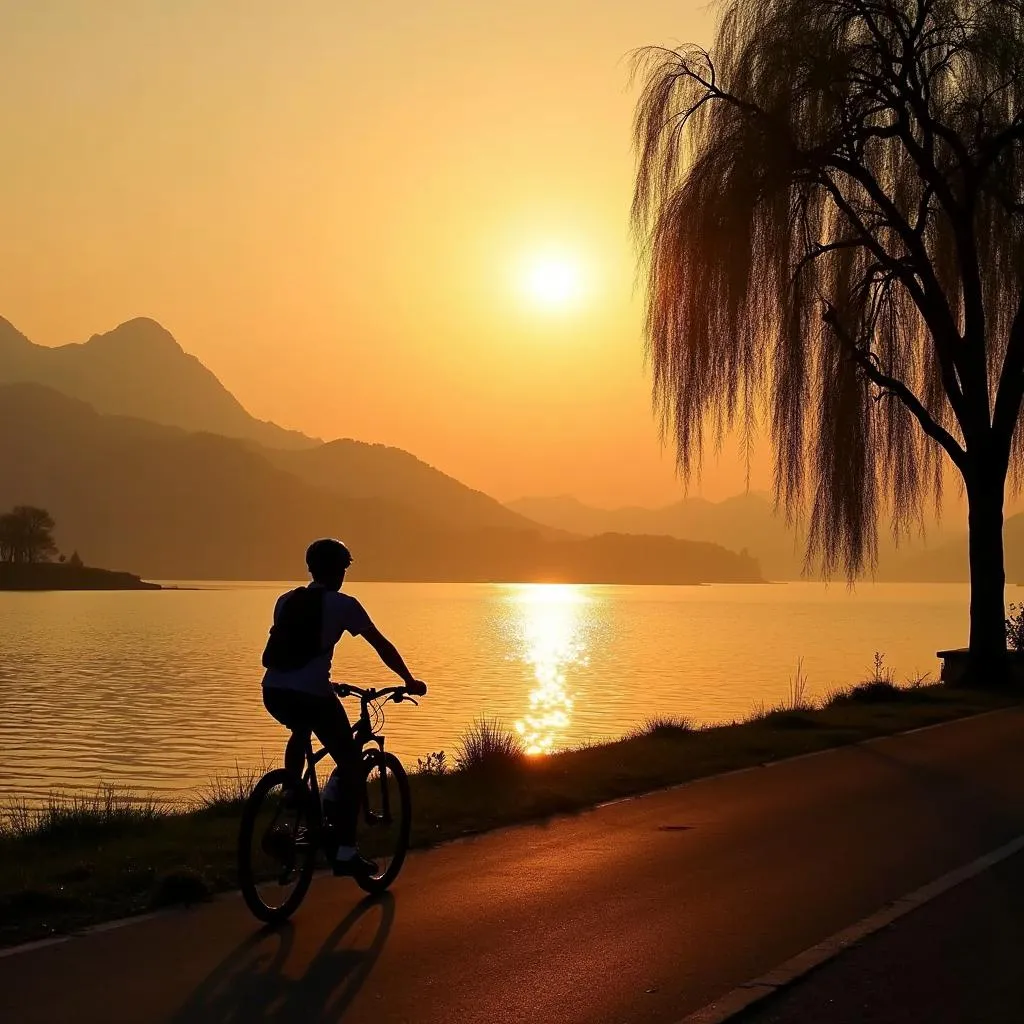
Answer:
(791, 712)
(488, 746)
(434, 764)
(225, 794)
(76, 819)
(663, 726)
(879, 688)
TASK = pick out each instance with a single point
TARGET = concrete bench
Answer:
(956, 662)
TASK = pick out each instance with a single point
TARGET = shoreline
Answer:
(44, 577)
(119, 856)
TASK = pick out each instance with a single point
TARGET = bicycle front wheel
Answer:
(385, 819)
(277, 845)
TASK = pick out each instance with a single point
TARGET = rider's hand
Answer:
(416, 688)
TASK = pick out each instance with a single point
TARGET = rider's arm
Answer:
(388, 653)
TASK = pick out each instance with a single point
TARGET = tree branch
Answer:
(868, 363)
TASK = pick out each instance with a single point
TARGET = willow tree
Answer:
(831, 207)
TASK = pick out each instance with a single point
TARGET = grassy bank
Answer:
(84, 861)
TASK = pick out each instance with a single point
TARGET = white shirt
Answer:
(342, 614)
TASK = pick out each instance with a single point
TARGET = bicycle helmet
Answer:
(327, 559)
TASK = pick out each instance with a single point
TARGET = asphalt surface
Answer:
(642, 910)
(957, 960)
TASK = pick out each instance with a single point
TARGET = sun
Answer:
(552, 281)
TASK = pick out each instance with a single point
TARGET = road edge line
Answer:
(727, 1006)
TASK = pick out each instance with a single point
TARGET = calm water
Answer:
(160, 691)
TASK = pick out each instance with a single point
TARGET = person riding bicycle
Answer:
(308, 623)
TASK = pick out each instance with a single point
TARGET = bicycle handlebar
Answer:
(395, 693)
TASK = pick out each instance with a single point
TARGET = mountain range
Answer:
(746, 521)
(164, 473)
(150, 464)
(750, 523)
(138, 369)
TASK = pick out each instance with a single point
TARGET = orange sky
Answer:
(329, 203)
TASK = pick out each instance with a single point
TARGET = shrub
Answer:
(435, 763)
(880, 673)
(488, 745)
(662, 726)
(880, 687)
(1015, 628)
(874, 691)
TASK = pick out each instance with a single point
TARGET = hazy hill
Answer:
(743, 522)
(947, 562)
(129, 494)
(138, 369)
(356, 469)
(747, 522)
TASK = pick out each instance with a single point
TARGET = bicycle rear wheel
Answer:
(277, 844)
(385, 819)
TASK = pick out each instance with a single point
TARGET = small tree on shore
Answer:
(832, 212)
(26, 535)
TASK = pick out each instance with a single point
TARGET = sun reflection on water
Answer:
(551, 626)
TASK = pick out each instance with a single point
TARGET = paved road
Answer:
(956, 960)
(638, 911)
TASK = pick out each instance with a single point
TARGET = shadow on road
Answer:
(256, 982)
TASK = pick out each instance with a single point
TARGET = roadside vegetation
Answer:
(77, 861)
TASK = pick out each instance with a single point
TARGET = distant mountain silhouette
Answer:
(169, 504)
(947, 561)
(356, 469)
(743, 522)
(138, 369)
(747, 522)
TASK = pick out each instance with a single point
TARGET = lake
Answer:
(157, 692)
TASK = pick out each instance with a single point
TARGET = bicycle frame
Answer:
(363, 734)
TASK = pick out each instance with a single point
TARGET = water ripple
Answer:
(158, 691)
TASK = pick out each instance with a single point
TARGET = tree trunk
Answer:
(988, 580)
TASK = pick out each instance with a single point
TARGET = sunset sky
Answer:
(402, 222)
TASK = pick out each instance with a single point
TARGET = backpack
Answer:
(296, 638)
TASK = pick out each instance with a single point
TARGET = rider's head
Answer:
(327, 561)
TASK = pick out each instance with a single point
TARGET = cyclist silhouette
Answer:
(308, 623)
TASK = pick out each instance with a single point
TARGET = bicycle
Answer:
(283, 826)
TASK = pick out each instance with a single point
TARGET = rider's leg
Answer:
(295, 751)
(334, 732)
(326, 717)
(291, 709)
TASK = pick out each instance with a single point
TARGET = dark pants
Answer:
(325, 718)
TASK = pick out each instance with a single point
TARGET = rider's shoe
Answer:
(356, 867)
